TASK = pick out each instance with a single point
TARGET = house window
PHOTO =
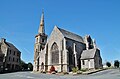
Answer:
(9, 58)
(14, 52)
(99, 62)
(17, 60)
(18, 54)
(1, 59)
(13, 59)
(83, 62)
(10, 51)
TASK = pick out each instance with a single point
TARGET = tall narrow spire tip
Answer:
(41, 27)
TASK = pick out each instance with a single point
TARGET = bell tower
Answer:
(40, 41)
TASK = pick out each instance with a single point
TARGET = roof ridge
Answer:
(69, 31)
(71, 35)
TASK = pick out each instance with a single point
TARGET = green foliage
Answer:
(108, 64)
(79, 72)
(23, 65)
(75, 69)
(116, 63)
(30, 66)
(84, 70)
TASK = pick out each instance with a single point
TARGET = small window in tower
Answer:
(37, 40)
(42, 40)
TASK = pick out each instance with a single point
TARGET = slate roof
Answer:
(87, 54)
(12, 46)
(71, 35)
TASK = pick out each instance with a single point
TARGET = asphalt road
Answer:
(106, 74)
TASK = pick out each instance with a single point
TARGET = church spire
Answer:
(41, 27)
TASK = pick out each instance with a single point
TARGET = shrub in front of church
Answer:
(79, 72)
(84, 70)
(75, 69)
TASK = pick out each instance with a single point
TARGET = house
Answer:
(91, 59)
(11, 59)
(1, 61)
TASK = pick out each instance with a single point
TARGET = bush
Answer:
(30, 66)
(75, 69)
(84, 70)
(79, 72)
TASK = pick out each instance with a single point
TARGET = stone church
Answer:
(64, 50)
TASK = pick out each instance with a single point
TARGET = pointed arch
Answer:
(54, 53)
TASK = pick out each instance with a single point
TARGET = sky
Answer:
(19, 23)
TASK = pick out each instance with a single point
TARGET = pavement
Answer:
(106, 74)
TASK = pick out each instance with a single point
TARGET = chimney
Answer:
(3, 40)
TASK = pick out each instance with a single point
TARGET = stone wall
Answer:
(88, 63)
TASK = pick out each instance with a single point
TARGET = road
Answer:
(106, 74)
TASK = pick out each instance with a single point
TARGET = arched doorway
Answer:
(54, 54)
(42, 66)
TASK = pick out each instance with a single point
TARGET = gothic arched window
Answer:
(54, 54)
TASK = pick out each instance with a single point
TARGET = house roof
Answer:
(12, 46)
(87, 54)
(3, 40)
(71, 35)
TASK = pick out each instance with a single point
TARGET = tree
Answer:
(30, 66)
(108, 64)
(116, 64)
(23, 65)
